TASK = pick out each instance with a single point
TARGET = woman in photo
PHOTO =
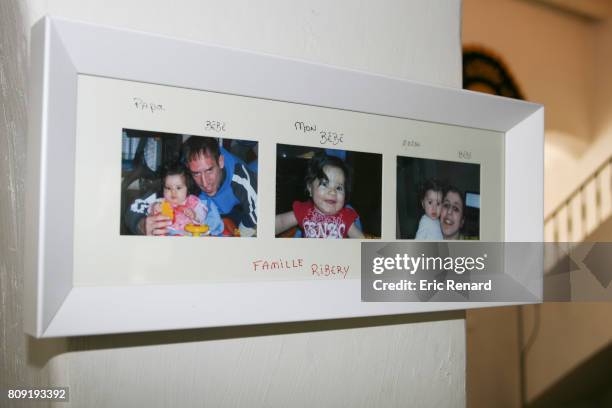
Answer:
(452, 215)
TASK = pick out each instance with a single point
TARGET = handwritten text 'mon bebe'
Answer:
(316, 269)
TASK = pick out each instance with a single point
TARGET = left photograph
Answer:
(184, 185)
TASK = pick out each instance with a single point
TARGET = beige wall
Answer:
(563, 61)
(493, 365)
(568, 334)
(410, 360)
(551, 55)
(602, 106)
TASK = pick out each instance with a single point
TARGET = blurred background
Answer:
(557, 53)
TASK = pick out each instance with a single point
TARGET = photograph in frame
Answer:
(76, 263)
(437, 199)
(327, 193)
(188, 186)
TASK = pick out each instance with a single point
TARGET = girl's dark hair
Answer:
(315, 171)
(431, 184)
(176, 169)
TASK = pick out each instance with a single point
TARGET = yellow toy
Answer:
(167, 210)
(197, 230)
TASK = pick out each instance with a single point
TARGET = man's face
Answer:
(207, 173)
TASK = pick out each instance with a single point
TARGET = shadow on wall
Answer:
(41, 351)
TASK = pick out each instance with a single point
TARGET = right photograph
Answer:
(437, 199)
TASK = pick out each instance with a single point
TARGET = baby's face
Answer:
(175, 189)
(328, 195)
(431, 204)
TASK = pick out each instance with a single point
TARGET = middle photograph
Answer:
(327, 193)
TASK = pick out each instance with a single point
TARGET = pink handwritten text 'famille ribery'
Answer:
(316, 269)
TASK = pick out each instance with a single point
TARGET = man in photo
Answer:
(221, 177)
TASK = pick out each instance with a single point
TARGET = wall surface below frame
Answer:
(363, 362)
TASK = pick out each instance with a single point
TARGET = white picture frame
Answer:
(61, 50)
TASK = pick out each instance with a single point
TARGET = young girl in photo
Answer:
(325, 214)
(184, 208)
(431, 201)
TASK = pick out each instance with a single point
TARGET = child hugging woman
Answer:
(431, 201)
(325, 214)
